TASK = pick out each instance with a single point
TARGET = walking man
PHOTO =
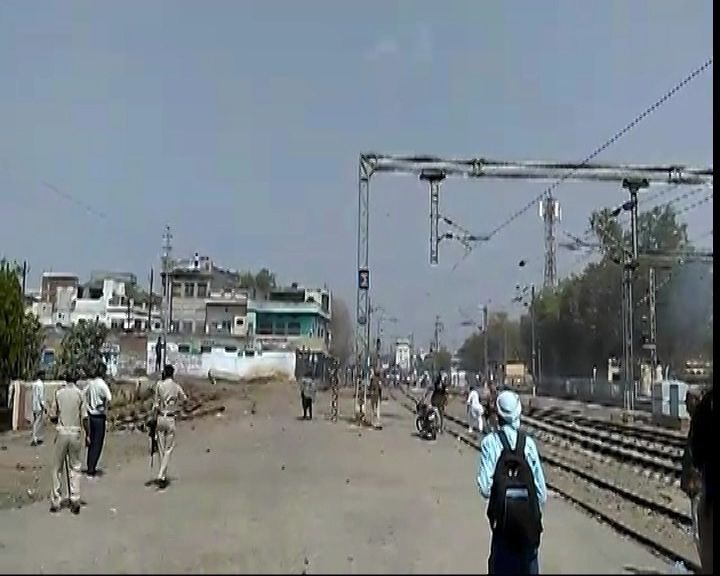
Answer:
(69, 414)
(158, 354)
(474, 410)
(510, 475)
(307, 394)
(375, 392)
(97, 400)
(38, 410)
(168, 399)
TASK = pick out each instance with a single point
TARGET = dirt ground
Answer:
(266, 492)
(24, 475)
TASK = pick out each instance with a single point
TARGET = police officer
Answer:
(168, 398)
(69, 414)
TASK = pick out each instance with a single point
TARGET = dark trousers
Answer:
(97, 437)
(504, 560)
(307, 406)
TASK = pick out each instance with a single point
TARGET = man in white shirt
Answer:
(474, 410)
(97, 400)
(38, 410)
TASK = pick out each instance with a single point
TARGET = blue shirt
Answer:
(490, 450)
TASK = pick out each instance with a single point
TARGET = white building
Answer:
(403, 355)
(112, 301)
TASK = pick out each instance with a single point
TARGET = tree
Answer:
(579, 325)
(437, 360)
(341, 329)
(81, 351)
(501, 331)
(265, 280)
(20, 333)
(262, 282)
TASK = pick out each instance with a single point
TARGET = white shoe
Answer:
(470, 430)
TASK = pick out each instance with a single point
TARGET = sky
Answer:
(240, 125)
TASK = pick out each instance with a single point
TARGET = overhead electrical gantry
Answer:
(434, 171)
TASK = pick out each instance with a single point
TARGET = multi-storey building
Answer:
(113, 299)
(205, 299)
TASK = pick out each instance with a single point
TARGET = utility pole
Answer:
(24, 279)
(504, 348)
(166, 310)
(436, 343)
(630, 262)
(653, 322)
(150, 305)
(550, 213)
(533, 354)
(485, 343)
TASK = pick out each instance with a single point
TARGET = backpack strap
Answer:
(520, 444)
(504, 440)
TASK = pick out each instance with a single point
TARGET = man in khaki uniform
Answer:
(168, 398)
(69, 414)
(375, 393)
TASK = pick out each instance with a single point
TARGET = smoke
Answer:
(684, 309)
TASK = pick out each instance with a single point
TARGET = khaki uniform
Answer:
(168, 396)
(69, 408)
(375, 391)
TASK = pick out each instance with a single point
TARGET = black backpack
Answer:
(513, 510)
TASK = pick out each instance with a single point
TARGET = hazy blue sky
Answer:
(240, 124)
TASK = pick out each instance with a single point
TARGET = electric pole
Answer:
(166, 261)
(550, 213)
(630, 262)
(150, 304)
(436, 343)
(504, 348)
(653, 322)
(533, 353)
(485, 343)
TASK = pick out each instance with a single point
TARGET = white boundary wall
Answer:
(223, 363)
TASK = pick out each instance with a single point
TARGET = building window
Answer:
(186, 326)
(264, 327)
(202, 289)
(226, 326)
(280, 329)
(176, 288)
(189, 290)
(231, 349)
(116, 324)
(293, 328)
(139, 325)
(184, 348)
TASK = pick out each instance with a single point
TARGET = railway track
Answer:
(647, 437)
(601, 486)
(649, 453)
(623, 449)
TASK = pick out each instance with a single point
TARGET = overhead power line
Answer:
(627, 128)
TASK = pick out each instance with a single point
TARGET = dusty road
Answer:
(269, 493)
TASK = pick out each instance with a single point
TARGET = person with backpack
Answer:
(510, 475)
